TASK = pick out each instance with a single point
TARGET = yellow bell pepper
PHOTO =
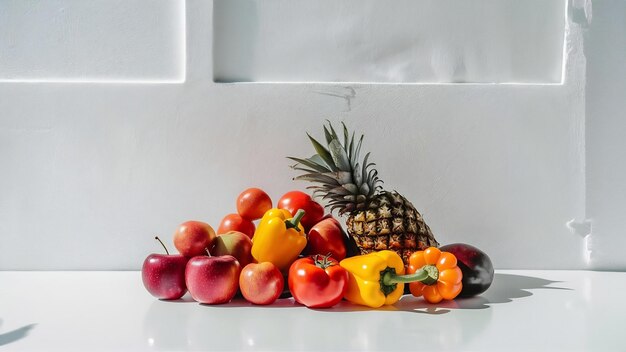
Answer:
(377, 279)
(364, 284)
(279, 238)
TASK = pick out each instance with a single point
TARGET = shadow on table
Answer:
(507, 287)
(184, 299)
(504, 289)
(15, 335)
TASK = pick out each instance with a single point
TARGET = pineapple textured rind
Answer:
(390, 222)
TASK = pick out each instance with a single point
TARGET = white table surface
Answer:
(523, 310)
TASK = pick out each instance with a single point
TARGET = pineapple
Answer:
(377, 219)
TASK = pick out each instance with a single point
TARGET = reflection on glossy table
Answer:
(523, 310)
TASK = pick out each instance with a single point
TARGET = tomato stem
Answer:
(161, 242)
(324, 262)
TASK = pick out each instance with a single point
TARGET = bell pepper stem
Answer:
(427, 275)
(295, 221)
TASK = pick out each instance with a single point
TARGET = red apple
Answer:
(235, 222)
(163, 275)
(253, 203)
(193, 238)
(212, 280)
(261, 283)
(326, 237)
(234, 243)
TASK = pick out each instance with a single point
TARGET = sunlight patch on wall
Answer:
(102, 41)
(377, 41)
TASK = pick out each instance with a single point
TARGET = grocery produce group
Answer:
(263, 252)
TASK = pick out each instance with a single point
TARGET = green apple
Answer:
(234, 243)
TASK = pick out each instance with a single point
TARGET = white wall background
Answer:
(94, 162)
(402, 41)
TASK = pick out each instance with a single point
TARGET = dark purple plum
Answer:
(476, 267)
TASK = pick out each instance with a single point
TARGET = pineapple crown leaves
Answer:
(338, 172)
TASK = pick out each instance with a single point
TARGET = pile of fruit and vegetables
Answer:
(294, 249)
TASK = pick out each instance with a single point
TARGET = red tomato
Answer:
(317, 281)
(294, 200)
(253, 203)
(261, 283)
(325, 237)
(234, 222)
